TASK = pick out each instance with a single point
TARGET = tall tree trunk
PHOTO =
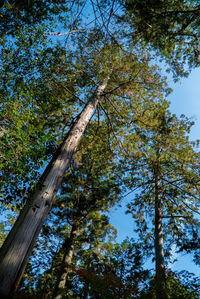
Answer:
(161, 289)
(18, 245)
(68, 254)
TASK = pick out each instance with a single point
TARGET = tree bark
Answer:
(161, 288)
(18, 245)
(68, 254)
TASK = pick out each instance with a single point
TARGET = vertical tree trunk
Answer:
(68, 254)
(18, 245)
(161, 289)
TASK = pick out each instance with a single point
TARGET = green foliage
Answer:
(32, 121)
(117, 273)
(180, 285)
(7, 221)
(171, 27)
(16, 14)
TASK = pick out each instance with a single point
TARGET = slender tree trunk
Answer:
(161, 289)
(68, 254)
(18, 245)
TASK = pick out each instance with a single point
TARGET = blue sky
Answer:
(185, 99)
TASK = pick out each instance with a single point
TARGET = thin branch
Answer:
(109, 121)
(111, 12)
(186, 192)
(64, 33)
(68, 90)
(197, 9)
(176, 216)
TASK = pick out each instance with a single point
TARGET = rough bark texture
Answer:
(161, 289)
(68, 254)
(20, 241)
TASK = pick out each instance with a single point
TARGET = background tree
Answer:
(166, 177)
(180, 285)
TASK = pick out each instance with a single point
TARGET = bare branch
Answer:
(64, 33)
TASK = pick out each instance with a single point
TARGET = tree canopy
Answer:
(84, 121)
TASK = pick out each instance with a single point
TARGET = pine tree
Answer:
(166, 177)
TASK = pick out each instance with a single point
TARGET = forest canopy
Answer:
(86, 125)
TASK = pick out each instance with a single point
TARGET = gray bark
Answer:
(20, 241)
(161, 289)
(68, 254)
